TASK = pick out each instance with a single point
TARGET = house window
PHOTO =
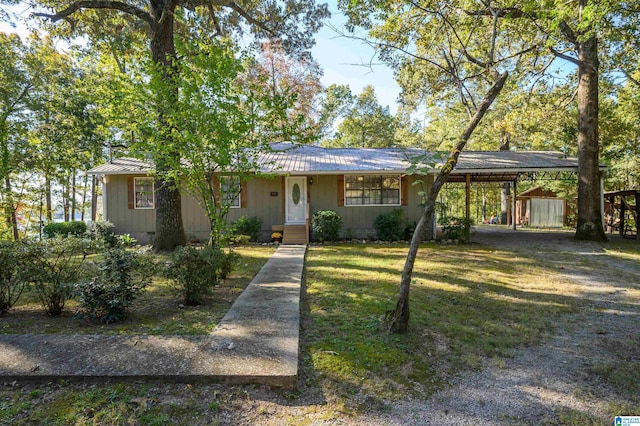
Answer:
(372, 190)
(230, 188)
(144, 193)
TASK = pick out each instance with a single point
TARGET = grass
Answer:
(156, 312)
(468, 304)
(471, 305)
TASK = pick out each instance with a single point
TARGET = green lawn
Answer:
(470, 305)
(467, 303)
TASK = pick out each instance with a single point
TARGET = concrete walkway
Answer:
(256, 342)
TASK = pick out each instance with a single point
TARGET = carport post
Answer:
(467, 197)
(513, 205)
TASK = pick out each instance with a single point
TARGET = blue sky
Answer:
(344, 60)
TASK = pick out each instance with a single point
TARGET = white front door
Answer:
(296, 204)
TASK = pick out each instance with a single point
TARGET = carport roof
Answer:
(288, 159)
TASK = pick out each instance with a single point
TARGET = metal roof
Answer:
(122, 166)
(290, 159)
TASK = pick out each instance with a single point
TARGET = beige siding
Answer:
(323, 195)
(359, 219)
(140, 223)
(262, 204)
(194, 219)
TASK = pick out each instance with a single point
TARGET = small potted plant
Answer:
(276, 237)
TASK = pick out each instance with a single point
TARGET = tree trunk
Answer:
(589, 225)
(65, 199)
(47, 190)
(73, 194)
(10, 209)
(84, 197)
(505, 187)
(169, 227)
(398, 320)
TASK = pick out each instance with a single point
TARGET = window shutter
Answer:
(340, 190)
(130, 193)
(404, 187)
(243, 195)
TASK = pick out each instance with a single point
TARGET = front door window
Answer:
(296, 205)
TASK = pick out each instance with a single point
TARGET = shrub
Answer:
(250, 226)
(55, 265)
(122, 276)
(225, 263)
(64, 229)
(457, 228)
(12, 277)
(196, 271)
(126, 240)
(326, 225)
(239, 240)
(102, 231)
(390, 226)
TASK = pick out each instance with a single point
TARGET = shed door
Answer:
(547, 212)
(296, 205)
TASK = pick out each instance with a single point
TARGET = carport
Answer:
(512, 166)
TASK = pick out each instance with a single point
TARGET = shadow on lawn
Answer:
(458, 319)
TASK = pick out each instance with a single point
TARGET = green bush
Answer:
(250, 226)
(390, 226)
(239, 240)
(457, 228)
(195, 272)
(122, 276)
(225, 263)
(101, 231)
(126, 240)
(13, 262)
(64, 229)
(326, 225)
(55, 266)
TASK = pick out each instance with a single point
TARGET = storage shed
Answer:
(541, 208)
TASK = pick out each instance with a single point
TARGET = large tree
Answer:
(16, 84)
(292, 21)
(367, 124)
(274, 74)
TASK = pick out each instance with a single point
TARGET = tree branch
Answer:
(504, 12)
(98, 4)
(565, 57)
(568, 32)
(494, 36)
(630, 78)
(250, 19)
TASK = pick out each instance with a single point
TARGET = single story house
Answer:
(357, 183)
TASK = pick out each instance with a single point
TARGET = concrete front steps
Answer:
(295, 234)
